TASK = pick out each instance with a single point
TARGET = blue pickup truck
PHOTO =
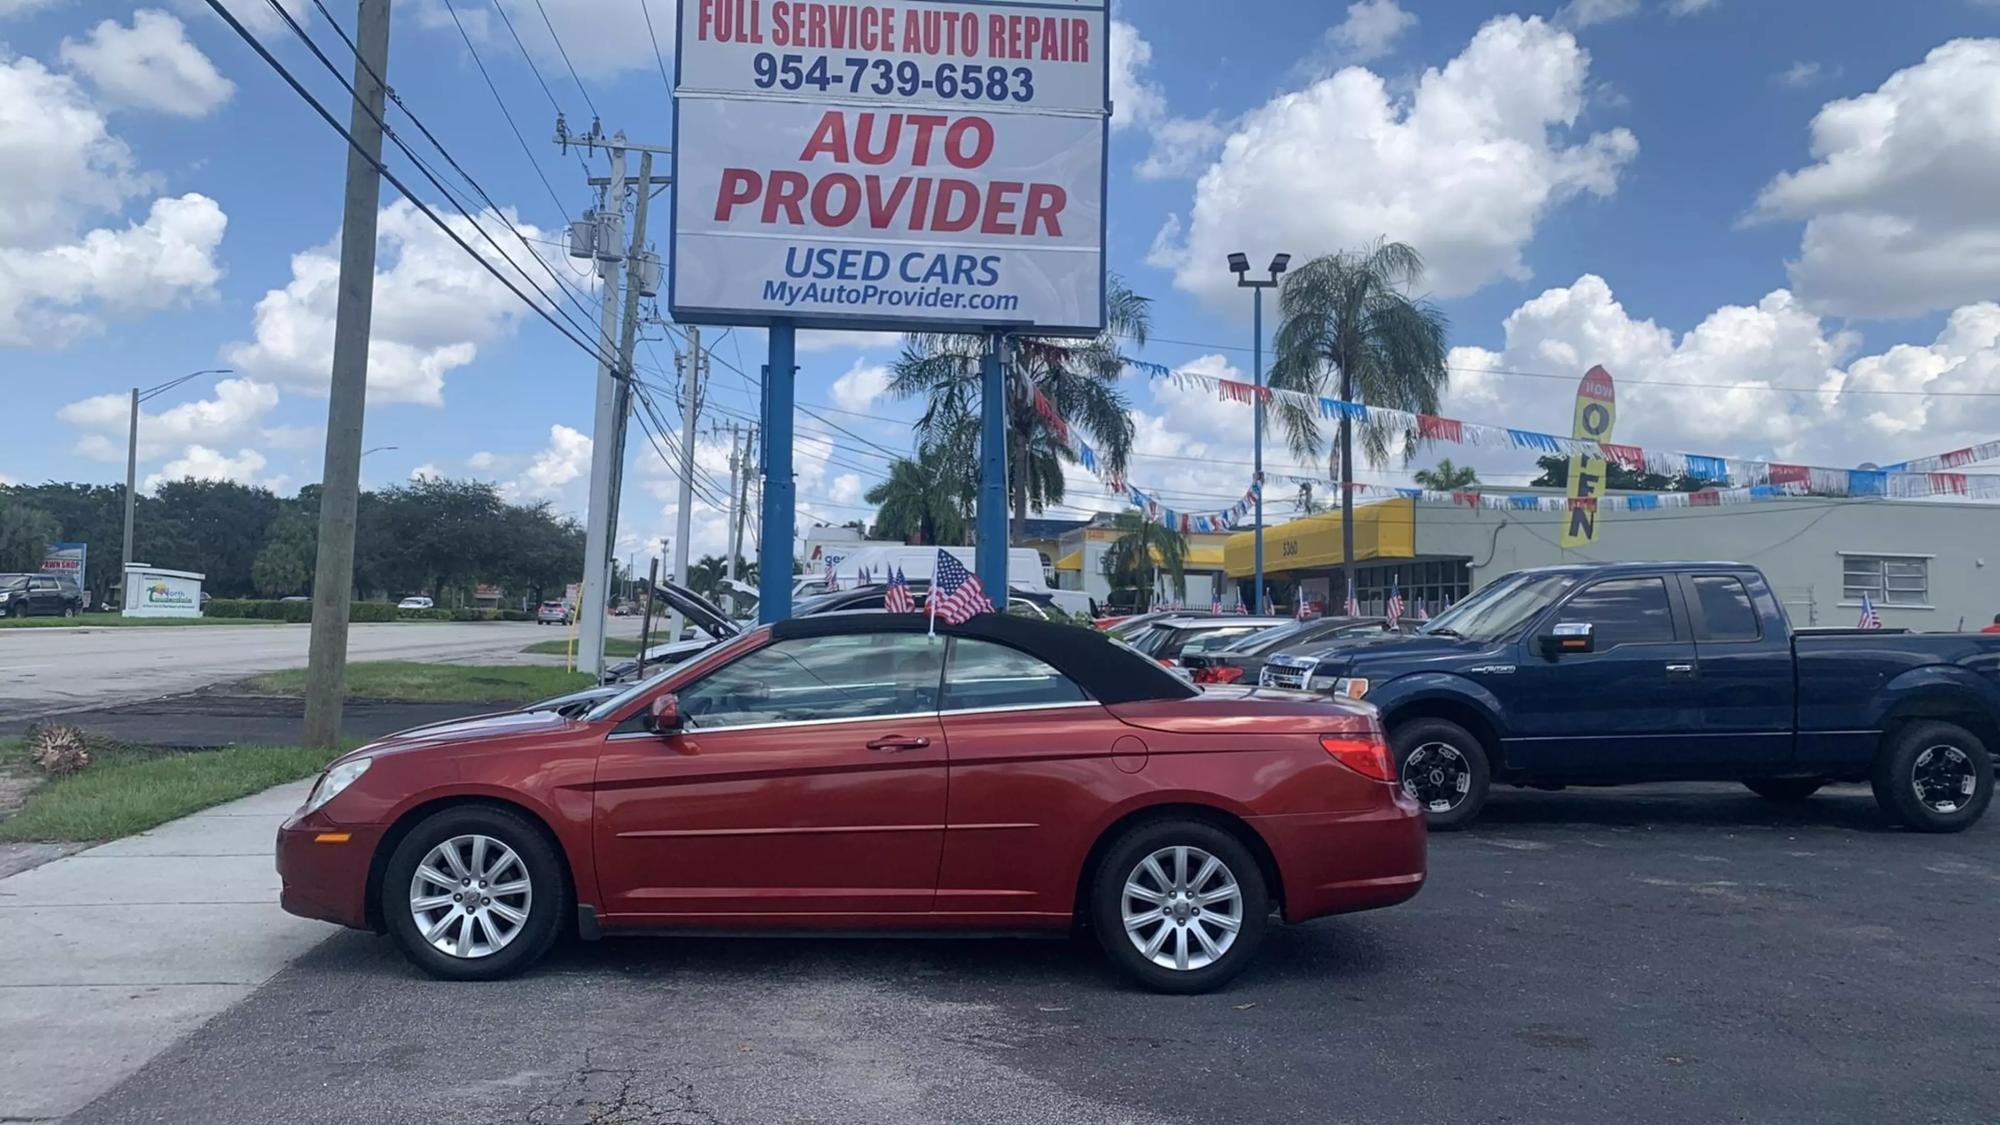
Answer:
(1633, 672)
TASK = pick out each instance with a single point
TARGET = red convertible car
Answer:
(851, 772)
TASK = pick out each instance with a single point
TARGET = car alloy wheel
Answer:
(471, 896)
(1436, 776)
(1944, 778)
(1182, 908)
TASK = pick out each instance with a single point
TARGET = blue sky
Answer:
(1639, 183)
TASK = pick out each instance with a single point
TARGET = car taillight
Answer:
(1223, 674)
(1366, 753)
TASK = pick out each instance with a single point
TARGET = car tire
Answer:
(528, 857)
(1455, 773)
(1193, 928)
(1934, 777)
(1785, 790)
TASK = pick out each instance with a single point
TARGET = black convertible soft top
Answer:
(1109, 672)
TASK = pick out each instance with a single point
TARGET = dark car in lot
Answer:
(1242, 660)
(1631, 672)
(28, 595)
(795, 779)
(1167, 639)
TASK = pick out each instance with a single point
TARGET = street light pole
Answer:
(132, 457)
(1239, 264)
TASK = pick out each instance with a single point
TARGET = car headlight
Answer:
(1350, 687)
(334, 782)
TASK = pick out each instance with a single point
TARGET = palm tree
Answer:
(705, 576)
(1142, 545)
(1447, 477)
(924, 500)
(1078, 377)
(1349, 323)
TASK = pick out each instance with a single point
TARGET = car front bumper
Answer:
(323, 869)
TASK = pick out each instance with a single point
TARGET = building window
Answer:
(1886, 579)
(1436, 584)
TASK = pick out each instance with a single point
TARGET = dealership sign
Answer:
(924, 164)
(154, 592)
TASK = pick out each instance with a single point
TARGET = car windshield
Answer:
(619, 702)
(14, 583)
(1502, 608)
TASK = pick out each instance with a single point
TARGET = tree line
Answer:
(430, 536)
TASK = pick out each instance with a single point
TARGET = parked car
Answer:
(553, 613)
(1166, 638)
(710, 625)
(27, 595)
(1629, 672)
(414, 602)
(795, 779)
(1242, 660)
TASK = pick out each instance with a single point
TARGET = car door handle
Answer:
(1678, 671)
(897, 742)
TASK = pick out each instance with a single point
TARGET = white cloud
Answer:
(565, 459)
(485, 462)
(202, 463)
(1135, 98)
(1580, 14)
(236, 412)
(603, 38)
(858, 389)
(1180, 146)
(1370, 29)
(254, 14)
(434, 308)
(23, 7)
(51, 295)
(59, 161)
(150, 65)
(1800, 74)
(846, 489)
(1898, 210)
(426, 471)
(1464, 169)
(828, 339)
(1689, 7)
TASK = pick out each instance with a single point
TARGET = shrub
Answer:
(59, 750)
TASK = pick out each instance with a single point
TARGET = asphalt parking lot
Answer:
(1666, 954)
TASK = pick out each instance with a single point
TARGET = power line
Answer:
(557, 39)
(383, 170)
(657, 57)
(499, 101)
(528, 58)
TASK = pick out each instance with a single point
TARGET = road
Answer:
(43, 671)
(1664, 954)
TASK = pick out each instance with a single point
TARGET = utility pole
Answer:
(735, 516)
(642, 279)
(340, 481)
(693, 373)
(131, 486)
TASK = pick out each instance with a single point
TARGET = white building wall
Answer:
(1801, 544)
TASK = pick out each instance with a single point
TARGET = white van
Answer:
(1024, 570)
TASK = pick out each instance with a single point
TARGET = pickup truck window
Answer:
(1500, 609)
(1725, 609)
(1624, 611)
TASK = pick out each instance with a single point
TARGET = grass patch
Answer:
(114, 619)
(613, 646)
(435, 683)
(132, 790)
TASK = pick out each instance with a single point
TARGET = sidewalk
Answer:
(110, 955)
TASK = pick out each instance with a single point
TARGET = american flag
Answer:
(1353, 607)
(1215, 605)
(1869, 618)
(897, 599)
(956, 594)
(1422, 613)
(1300, 610)
(1243, 608)
(1394, 610)
(832, 579)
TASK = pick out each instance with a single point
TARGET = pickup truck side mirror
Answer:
(665, 715)
(1567, 636)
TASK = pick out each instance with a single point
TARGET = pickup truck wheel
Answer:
(1934, 777)
(1443, 768)
(1785, 790)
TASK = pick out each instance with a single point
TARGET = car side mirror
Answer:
(1568, 636)
(665, 715)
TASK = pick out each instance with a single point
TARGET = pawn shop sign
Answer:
(1596, 413)
(924, 164)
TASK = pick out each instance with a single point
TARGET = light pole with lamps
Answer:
(1239, 264)
(132, 453)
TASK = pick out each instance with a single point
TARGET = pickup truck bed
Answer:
(1629, 672)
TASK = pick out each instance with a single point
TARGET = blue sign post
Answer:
(774, 554)
(990, 556)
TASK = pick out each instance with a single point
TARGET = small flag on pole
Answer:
(1422, 613)
(956, 594)
(1353, 607)
(1215, 605)
(832, 579)
(897, 599)
(1394, 610)
(1869, 618)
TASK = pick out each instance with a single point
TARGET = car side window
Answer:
(45, 585)
(839, 676)
(1623, 611)
(1726, 612)
(984, 674)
